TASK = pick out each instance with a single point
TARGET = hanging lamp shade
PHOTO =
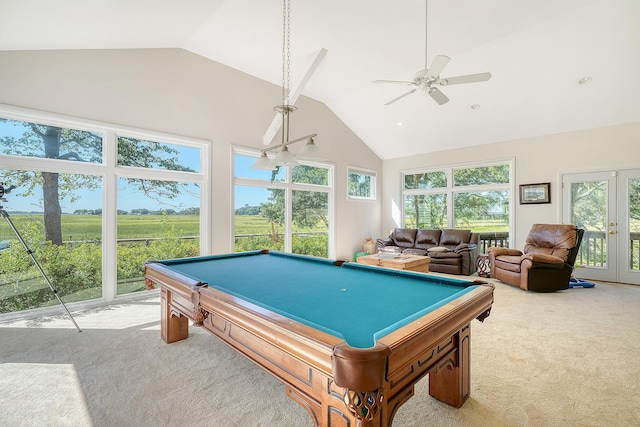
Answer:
(263, 163)
(285, 158)
(310, 152)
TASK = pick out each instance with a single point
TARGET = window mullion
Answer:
(109, 218)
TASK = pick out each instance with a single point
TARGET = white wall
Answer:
(177, 92)
(540, 159)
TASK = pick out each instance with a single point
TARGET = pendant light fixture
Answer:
(284, 156)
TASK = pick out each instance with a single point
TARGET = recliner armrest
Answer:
(497, 251)
(543, 259)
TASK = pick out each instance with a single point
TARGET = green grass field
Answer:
(89, 227)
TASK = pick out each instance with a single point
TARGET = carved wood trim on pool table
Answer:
(303, 358)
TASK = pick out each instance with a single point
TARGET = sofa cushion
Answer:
(404, 237)
(426, 239)
(451, 237)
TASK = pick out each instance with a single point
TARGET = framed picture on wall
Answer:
(535, 193)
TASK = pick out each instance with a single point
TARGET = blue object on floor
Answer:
(580, 283)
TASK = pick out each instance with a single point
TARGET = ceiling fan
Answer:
(429, 78)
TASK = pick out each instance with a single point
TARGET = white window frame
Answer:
(110, 172)
(366, 172)
(450, 189)
(289, 187)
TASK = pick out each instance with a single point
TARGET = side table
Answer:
(483, 266)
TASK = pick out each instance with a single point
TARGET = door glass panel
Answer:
(589, 211)
(634, 224)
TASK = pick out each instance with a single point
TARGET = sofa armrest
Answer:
(497, 251)
(465, 247)
(385, 242)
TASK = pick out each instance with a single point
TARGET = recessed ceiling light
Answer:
(475, 106)
(584, 80)
(400, 124)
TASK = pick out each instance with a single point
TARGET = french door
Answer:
(607, 206)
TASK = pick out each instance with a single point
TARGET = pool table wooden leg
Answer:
(449, 381)
(173, 326)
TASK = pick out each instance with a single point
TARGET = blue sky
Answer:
(129, 198)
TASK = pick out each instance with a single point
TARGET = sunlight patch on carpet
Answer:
(57, 396)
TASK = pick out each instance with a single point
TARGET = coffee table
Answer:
(398, 261)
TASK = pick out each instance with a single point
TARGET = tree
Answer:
(54, 142)
(429, 210)
(359, 185)
(308, 207)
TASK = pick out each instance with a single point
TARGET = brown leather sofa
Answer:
(546, 263)
(451, 251)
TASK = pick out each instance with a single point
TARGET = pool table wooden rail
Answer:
(308, 361)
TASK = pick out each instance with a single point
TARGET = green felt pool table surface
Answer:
(371, 301)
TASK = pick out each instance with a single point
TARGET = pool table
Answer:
(349, 341)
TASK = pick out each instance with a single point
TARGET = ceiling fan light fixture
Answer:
(430, 76)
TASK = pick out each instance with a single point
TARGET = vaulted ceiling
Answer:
(536, 50)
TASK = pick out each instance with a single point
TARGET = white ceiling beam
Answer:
(294, 93)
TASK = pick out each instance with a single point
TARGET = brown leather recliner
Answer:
(546, 263)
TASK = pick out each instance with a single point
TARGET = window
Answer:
(476, 198)
(54, 215)
(49, 141)
(361, 184)
(286, 210)
(73, 179)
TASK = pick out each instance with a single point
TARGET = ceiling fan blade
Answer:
(401, 96)
(402, 82)
(471, 78)
(438, 96)
(437, 66)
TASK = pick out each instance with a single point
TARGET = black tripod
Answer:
(5, 214)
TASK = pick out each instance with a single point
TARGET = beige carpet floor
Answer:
(570, 358)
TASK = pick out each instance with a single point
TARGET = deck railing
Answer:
(593, 250)
(491, 239)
